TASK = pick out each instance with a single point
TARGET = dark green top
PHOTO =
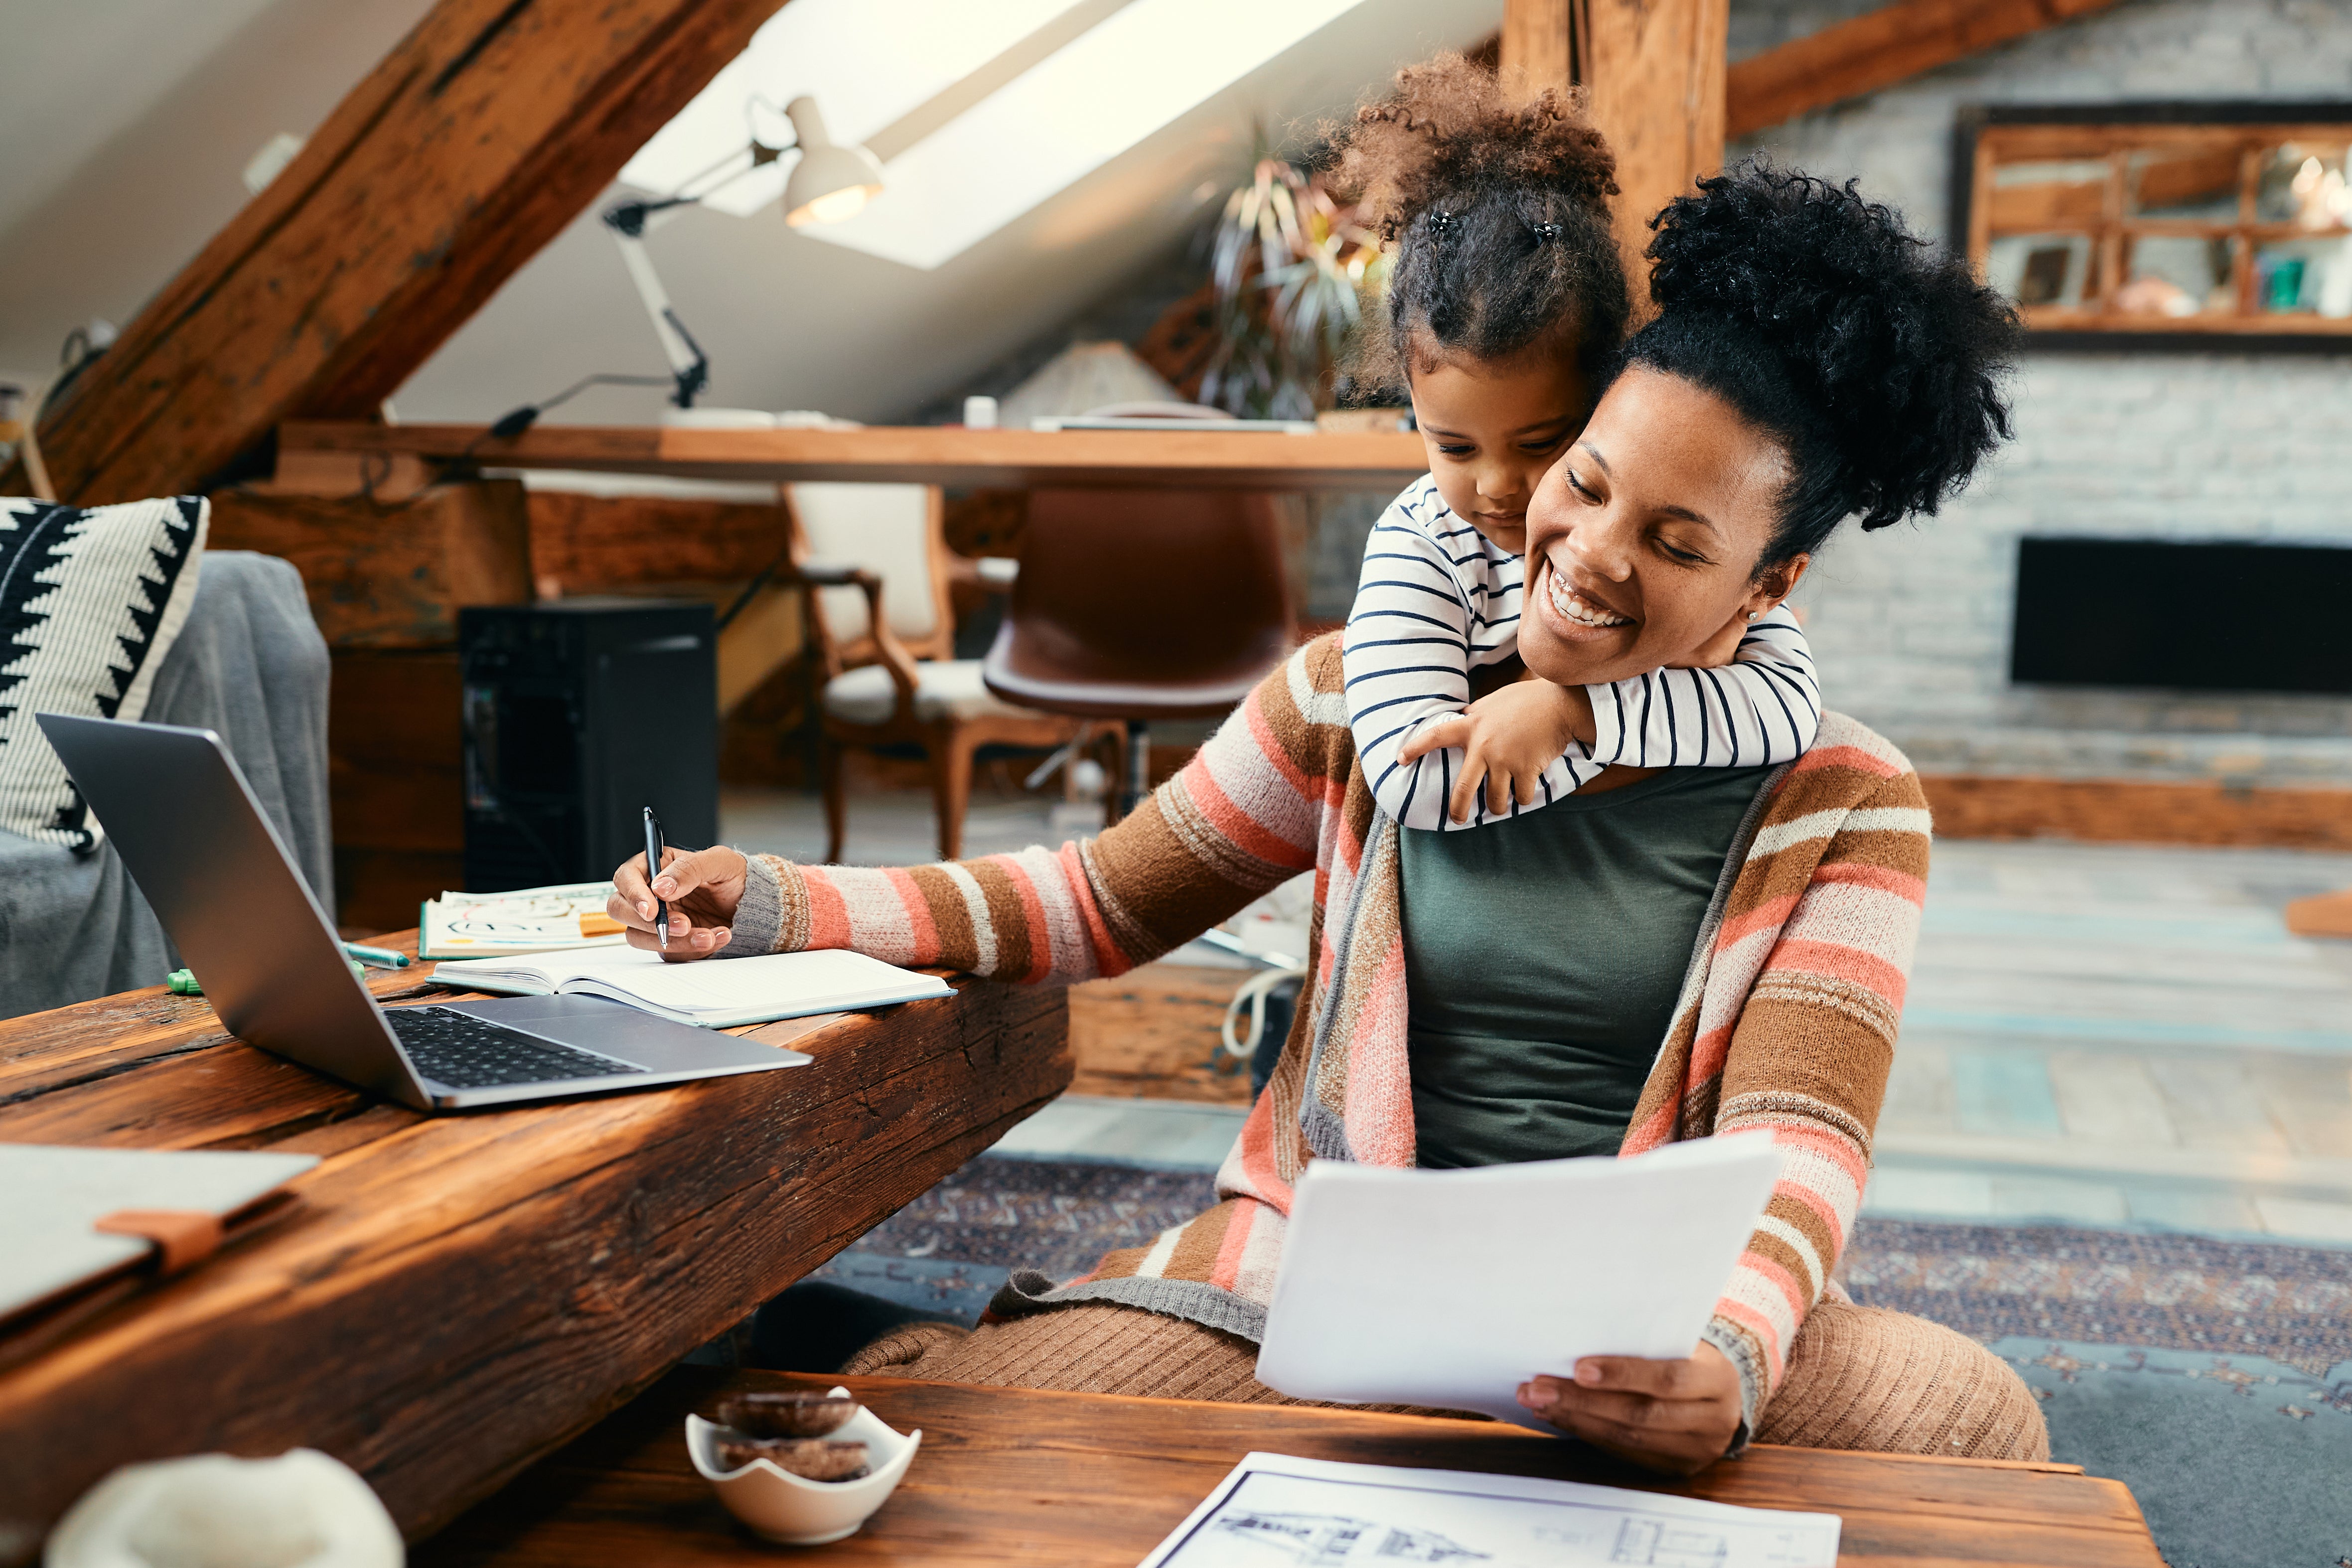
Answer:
(1543, 956)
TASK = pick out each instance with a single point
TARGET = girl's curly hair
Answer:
(1875, 361)
(1497, 212)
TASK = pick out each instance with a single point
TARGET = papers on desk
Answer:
(717, 993)
(1449, 1288)
(58, 1194)
(1275, 1511)
(527, 920)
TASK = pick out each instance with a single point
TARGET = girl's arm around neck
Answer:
(1762, 709)
(1410, 646)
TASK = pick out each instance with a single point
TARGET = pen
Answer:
(653, 869)
(381, 958)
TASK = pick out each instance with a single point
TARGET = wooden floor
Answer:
(2101, 1034)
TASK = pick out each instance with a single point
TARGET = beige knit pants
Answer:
(1860, 1377)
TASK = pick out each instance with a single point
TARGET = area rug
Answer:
(2214, 1378)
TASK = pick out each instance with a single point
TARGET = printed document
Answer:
(1275, 1511)
(1449, 1288)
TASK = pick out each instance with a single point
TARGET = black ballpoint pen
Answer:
(653, 869)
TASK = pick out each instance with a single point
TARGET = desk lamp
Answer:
(829, 183)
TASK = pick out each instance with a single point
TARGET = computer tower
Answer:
(578, 714)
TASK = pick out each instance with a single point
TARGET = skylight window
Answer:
(1141, 67)
(867, 63)
(871, 64)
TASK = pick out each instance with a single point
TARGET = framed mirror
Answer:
(2189, 222)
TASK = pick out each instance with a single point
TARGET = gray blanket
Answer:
(249, 664)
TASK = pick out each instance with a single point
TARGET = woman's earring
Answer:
(1754, 615)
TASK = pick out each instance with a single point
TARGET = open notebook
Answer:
(717, 993)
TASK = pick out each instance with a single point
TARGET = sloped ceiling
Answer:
(128, 123)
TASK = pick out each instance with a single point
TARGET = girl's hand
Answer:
(1673, 1415)
(1508, 738)
(702, 889)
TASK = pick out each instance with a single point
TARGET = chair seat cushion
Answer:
(944, 689)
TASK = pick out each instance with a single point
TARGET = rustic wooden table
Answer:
(1009, 1476)
(920, 454)
(456, 1296)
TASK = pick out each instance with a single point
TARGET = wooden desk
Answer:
(457, 1295)
(1008, 1476)
(925, 455)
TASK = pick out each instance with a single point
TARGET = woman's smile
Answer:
(1575, 613)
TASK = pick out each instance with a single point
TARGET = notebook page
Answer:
(815, 981)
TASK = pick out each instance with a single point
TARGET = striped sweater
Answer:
(1786, 1019)
(1438, 599)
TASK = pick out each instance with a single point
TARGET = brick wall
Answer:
(1912, 624)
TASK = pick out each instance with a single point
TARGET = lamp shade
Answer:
(829, 183)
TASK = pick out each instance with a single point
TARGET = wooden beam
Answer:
(2119, 811)
(1654, 71)
(1878, 49)
(477, 140)
(1538, 45)
(390, 575)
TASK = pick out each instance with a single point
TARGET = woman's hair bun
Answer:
(1883, 358)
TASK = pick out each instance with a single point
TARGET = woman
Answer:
(1811, 360)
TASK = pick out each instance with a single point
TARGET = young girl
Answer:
(1506, 302)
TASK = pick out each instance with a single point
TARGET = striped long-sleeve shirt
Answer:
(1786, 1021)
(1437, 599)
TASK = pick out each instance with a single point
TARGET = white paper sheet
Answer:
(1449, 1288)
(1275, 1511)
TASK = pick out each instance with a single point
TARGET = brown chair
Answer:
(1143, 605)
(875, 566)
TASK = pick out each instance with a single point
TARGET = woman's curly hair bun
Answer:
(1882, 358)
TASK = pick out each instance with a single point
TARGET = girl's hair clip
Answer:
(1548, 231)
(1440, 222)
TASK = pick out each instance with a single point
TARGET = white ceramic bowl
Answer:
(781, 1506)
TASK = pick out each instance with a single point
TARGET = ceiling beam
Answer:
(1537, 47)
(1876, 50)
(1653, 74)
(472, 144)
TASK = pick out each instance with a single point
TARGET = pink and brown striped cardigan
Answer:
(1786, 1018)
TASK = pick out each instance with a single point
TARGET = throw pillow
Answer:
(92, 598)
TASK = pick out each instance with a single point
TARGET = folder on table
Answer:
(76, 1218)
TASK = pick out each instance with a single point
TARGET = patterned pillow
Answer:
(92, 598)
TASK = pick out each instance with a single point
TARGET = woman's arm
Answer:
(1244, 815)
(1808, 1054)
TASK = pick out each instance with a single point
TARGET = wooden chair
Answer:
(876, 571)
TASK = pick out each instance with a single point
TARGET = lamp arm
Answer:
(689, 366)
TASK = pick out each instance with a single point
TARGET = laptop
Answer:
(181, 816)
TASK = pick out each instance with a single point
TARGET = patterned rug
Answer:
(2214, 1378)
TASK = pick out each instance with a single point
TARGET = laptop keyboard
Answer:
(467, 1052)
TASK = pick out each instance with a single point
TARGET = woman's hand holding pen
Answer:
(702, 888)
